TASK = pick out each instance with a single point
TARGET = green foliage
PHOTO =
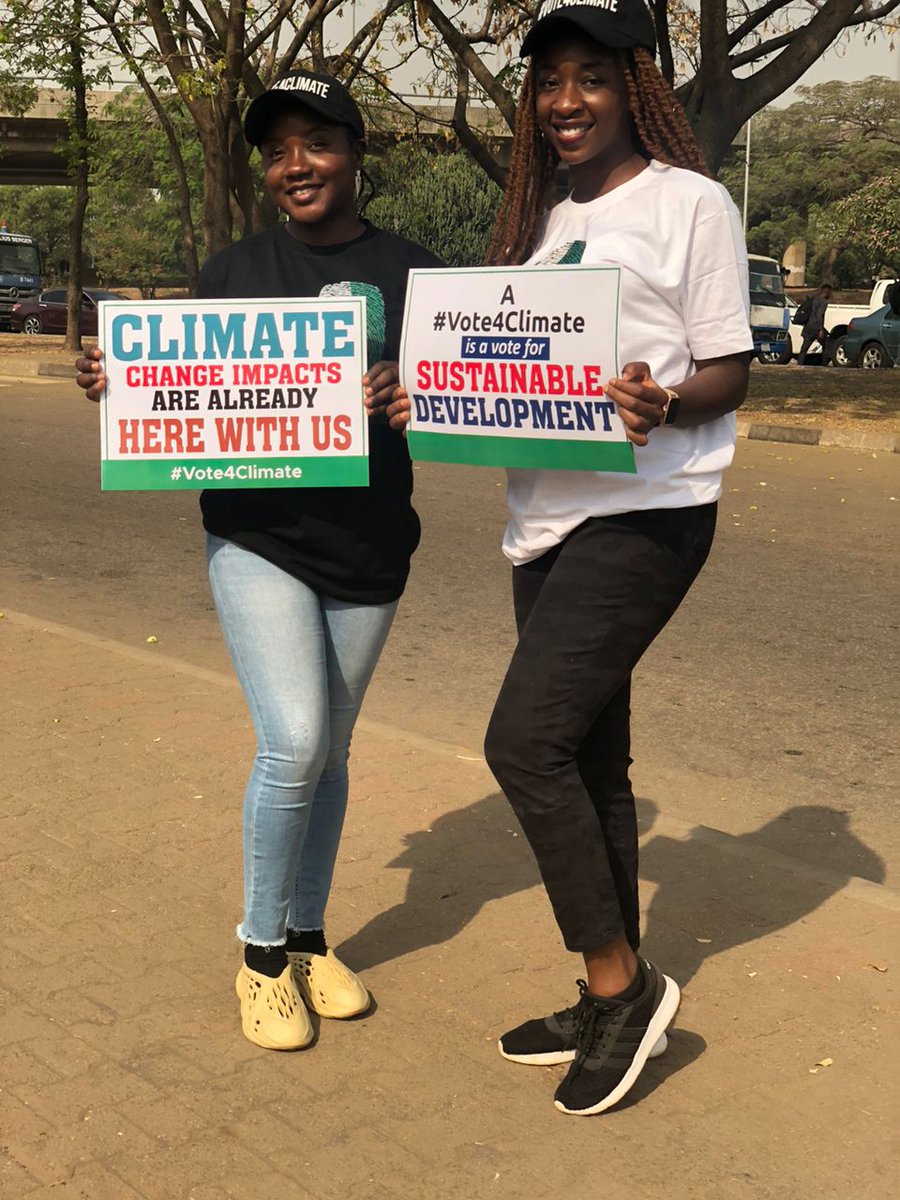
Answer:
(441, 200)
(131, 146)
(134, 234)
(810, 155)
(44, 213)
(136, 242)
(865, 224)
(36, 43)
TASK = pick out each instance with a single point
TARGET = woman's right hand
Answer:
(399, 409)
(90, 373)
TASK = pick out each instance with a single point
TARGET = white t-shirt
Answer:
(684, 296)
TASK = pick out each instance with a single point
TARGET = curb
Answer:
(797, 435)
(819, 435)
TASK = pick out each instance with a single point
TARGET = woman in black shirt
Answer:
(306, 581)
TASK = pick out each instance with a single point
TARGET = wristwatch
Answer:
(670, 408)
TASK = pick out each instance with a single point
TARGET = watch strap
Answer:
(670, 408)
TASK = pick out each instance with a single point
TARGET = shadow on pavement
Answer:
(684, 1048)
(721, 888)
(466, 859)
(728, 891)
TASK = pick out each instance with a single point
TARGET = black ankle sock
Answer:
(634, 988)
(632, 992)
(306, 941)
(266, 960)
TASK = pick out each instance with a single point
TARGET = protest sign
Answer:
(507, 367)
(234, 394)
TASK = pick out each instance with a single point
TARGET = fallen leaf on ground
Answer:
(152, 640)
(824, 1062)
(882, 967)
(703, 941)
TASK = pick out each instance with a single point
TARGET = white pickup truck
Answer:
(837, 320)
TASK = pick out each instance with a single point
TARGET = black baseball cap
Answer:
(620, 24)
(324, 94)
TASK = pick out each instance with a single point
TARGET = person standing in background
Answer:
(814, 326)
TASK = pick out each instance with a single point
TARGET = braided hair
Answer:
(661, 131)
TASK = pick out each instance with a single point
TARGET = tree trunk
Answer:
(183, 191)
(720, 102)
(185, 216)
(217, 220)
(79, 174)
(244, 190)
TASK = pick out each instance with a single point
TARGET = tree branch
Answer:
(754, 20)
(664, 40)
(802, 49)
(465, 133)
(764, 49)
(318, 10)
(714, 39)
(281, 15)
(464, 53)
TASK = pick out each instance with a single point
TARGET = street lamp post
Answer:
(747, 173)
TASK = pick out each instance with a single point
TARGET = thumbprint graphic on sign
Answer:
(564, 255)
(375, 318)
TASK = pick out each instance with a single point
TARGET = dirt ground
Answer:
(791, 395)
(848, 399)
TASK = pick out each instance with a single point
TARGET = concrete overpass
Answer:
(31, 145)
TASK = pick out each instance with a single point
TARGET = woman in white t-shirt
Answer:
(602, 561)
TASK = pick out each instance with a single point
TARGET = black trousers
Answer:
(808, 339)
(558, 741)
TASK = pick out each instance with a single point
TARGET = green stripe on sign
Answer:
(170, 475)
(546, 453)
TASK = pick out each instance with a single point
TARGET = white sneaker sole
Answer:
(554, 1058)
(658, 1025)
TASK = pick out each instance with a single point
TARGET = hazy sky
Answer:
(855, 59)
(852, 61)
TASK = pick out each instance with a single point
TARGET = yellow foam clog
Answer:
(273, 1014)
(328, 987)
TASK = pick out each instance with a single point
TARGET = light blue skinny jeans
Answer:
(304, 661)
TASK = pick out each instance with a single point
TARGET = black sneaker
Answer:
(548, 1041)
(614, 1039)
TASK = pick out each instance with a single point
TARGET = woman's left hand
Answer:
(378, 386)
(640, 401)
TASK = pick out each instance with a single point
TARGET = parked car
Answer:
(837, 322)
(46, 313)
(839, 316)
(872, 341)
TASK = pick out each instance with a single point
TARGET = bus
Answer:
(770, 316)
(20, 272)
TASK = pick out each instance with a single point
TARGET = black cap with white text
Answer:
(323, 94)
(621, 24)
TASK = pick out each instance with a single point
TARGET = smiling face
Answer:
(310, 169)
(582, 109)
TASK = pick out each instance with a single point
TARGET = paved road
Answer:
(767, 708)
